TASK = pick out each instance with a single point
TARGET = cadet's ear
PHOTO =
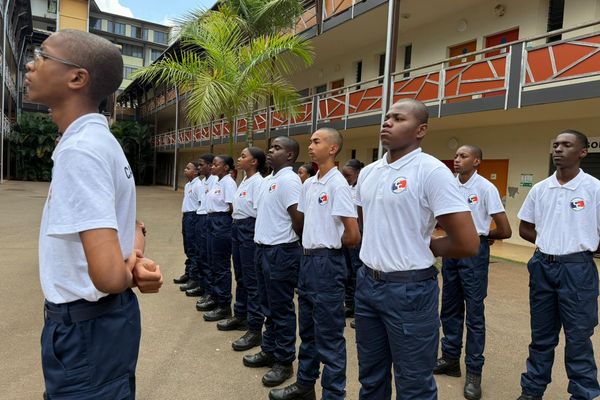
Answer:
(79, 79)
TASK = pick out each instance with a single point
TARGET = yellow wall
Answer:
(73, 14)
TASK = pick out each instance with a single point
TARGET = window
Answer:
(336, 85)
(358, 73)
(154, 54)
(407, 59)
(160, 37)
(320, 89)
(145, 34)
(133, 51)
(303, 93)
(136, 32)
(556, 12)
(116, 27)
(127, 71)
(52, 6)
(95, 23)
(381, 67)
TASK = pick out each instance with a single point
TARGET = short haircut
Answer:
(475, 150)
(333, 137)
(419, 109)
(207, 157)
(226, 160)
(355, 164)
(310, 170)
(101, 58)
(581, 137)
(290, 145)
(196, 164)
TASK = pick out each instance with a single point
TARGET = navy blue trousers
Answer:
(562, 294)
(465, 289)
(247, 299)
(321, 318)
(353, 263)
(188, 230)
(202, 273)
(219, 233)
(396, 324)
(277, 278)
(93, 359)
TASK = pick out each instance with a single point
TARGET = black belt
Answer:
(219, 214)
(284, 245)
(581, 256)
(415, 275)
(249, 220)
(323, 252)
(189, 212)
(82, 310)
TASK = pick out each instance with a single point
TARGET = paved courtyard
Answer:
(183, 357)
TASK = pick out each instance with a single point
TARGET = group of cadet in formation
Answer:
(358, 242)
(373, 223)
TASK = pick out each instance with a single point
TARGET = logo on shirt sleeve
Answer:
(472, 199)
(243, 193)
(323, 199)
(400, 185)
(127, 172)
(577, 204)
(273, 187)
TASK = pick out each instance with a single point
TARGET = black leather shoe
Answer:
(219, 313)
(258, 360)
(195, 292)
(189, 285)
(446, 366)
(472, 387)
(232, 324)
(348, 312)
(353, 324)
(293, 392)
(278, 374)
(528, 397)
(207, 305)
(249, 340)
(182, 279)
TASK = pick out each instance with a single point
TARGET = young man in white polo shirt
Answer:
(401, 196)
(330, 221)
(561, 215)
(90, 250)
(465, 280)
(278, 251)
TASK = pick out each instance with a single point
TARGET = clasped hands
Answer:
(146, 273)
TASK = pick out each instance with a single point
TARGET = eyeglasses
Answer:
(38, 55)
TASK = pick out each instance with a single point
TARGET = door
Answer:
(495, 171)
(463, 48)
(500, 38)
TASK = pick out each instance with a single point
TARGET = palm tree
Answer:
(227, 71)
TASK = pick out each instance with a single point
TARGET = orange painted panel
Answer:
(567, 53)
(333, 7)
(591, 64)
(478, 87)
(539, 64)
(429, 92)
(477, 71)
(591, 39)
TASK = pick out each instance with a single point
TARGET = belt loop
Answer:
(376, 275)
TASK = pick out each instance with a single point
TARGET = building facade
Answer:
(505, 75)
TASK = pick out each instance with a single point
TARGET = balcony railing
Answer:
(437, 84)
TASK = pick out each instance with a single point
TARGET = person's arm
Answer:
(146, 274)
(527, 231)
(503, 230)
(351, 235)
(297, 219)
(140, 236)
(461, 238)
(360, 218)
(108, 270)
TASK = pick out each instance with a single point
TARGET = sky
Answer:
(159, 11)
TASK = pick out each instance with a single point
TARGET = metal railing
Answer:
(438, 83)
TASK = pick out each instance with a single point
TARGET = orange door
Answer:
(500, 38)
(495, 171)
(459, 49)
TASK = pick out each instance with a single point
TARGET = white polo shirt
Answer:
(206, 185)
(277, 193)
(244, 203)
(190, 196)
(483, 200)
(221, 195)
(323, 201)
(566, 217)
(92, 187)
(400, 202)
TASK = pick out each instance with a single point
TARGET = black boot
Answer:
(472, 387)
(233, 323)
(258, 360)
(182, 279)
(278, 374)
(219, 313)
(249, 340)
(195, 292)
(529, 397)
(293, 392)
(189, 285)
(447, 366)
(206, 303)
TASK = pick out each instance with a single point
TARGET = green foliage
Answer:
(32, 141)
(135, 140)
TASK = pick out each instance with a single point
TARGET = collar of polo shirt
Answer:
(571, 185)
(327, 176)
(401, 162)
(468, 184)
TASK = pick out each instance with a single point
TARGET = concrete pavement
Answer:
(183, 357)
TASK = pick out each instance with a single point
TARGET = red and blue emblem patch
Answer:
(243, 193)
(400, 184)
(323, 199)
(577, 204)
(273, 187)
(472, 199)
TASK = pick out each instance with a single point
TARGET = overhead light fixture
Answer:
(462, 25)
(499, 10)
